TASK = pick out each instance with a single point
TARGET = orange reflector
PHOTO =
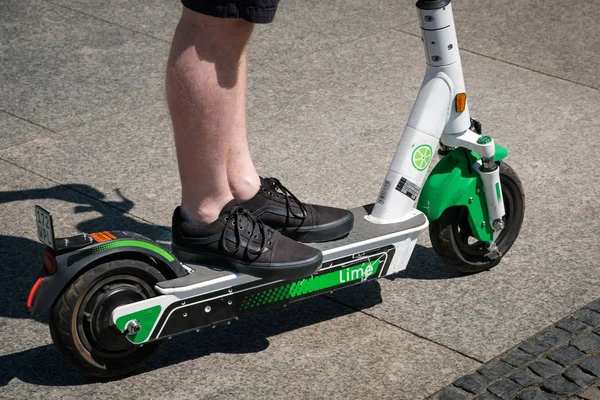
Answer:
(461, 102)
(35, 287)
(102, 236)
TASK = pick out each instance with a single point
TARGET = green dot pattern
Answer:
(134, 243)
(310, 285)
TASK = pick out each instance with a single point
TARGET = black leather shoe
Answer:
(239, 241)
(277, 207)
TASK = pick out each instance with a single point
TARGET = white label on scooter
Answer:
(408, 188)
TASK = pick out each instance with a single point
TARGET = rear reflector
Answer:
(49, 261)
(35, 287)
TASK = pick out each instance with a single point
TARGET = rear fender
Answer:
(72, 264)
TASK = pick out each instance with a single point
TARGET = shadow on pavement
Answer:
(424, 265)
(44, 366)
(21, 258)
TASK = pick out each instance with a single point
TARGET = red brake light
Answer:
(49, 262)
(35, 287)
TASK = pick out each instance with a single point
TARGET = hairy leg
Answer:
(206, 91)
(241, 174)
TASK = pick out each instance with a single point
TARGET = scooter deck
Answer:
(209, 296)
(365, 236)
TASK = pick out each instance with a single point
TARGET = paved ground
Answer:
(84, 132)
(558, 362)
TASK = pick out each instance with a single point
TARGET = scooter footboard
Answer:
(208, 296)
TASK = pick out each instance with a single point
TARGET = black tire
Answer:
(80, 318)
(453, 240)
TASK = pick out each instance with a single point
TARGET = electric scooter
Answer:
(113, 295)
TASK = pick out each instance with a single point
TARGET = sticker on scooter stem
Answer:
(421, 157)
(383, 193)
(408, 188)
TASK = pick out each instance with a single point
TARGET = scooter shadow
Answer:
(21, 258)
(424, 265)
(44, 366)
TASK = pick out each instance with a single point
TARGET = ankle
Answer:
(204, 213)
(244, 188)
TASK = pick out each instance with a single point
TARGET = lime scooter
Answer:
(113, 295)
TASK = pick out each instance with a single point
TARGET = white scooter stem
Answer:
(434, 113)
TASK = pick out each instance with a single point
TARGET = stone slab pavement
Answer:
(84, 132)
(558, 362)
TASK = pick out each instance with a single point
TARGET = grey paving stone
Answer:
(553, 336)
(152, 17)
(587, 343)
(296, 30)
(495, 369)
(591, 365)
(566, 355)
(576, 375)
(486, 396)
(560, 386)
(14, 131)
(505, 389)
(450, 393)
(559, 55)
(597, 331)
(517, 358)
(534, 347)
(525, 378)
(474, 383)
(572, 325)
(300, 30)
(535, 394)
(148, 186)
(544, 341)
(588, 316)
(63, 68)
(595, 305)
(545, 368)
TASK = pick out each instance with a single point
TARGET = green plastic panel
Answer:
(135, 243)
(146, 318)
(454, 183)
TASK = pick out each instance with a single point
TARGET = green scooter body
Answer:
(453, 182)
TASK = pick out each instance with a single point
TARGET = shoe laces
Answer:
(289, 199)
(242, 220)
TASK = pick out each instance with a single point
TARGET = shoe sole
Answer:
(273, 271)
(324, 233)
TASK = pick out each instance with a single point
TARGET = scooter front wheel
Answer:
(453, 240)
(81, 324)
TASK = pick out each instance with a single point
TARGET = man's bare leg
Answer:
(243, 179)
(206, 93)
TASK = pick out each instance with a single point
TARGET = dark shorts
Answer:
(257, 11)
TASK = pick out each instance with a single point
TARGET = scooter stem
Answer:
(434, 113)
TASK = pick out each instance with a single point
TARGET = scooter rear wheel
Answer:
(80, 320)
(453, 240)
